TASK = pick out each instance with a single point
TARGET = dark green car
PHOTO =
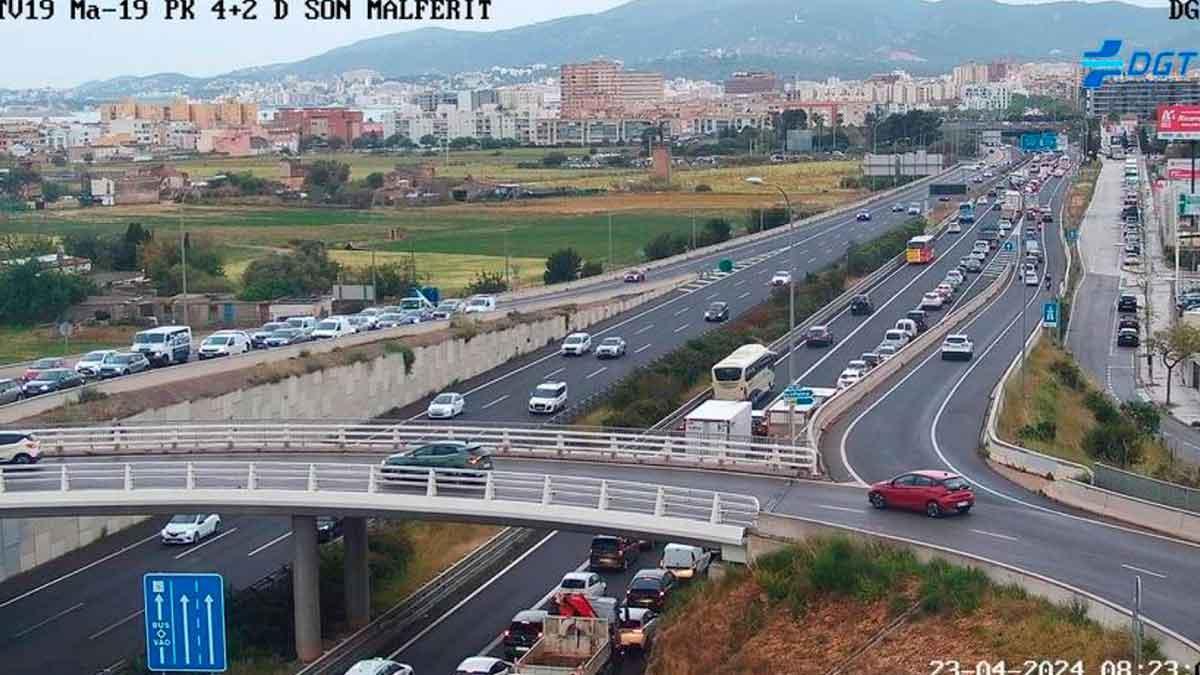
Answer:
(439, 455)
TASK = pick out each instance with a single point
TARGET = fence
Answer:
(1149, 489)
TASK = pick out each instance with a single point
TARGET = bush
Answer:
(703, 187)
(1115, 442)
(1043, 430)
(487, 282)
(591, 268)
(665, 245)
(946, 587)
(406, 352)
(1102, 408)
(563, 265)
(1069, 374)
(1144, 415)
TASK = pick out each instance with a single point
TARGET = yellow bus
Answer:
(920, 250)
(745, 374)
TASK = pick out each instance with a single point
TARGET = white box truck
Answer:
(1012, 206)
(721, 420)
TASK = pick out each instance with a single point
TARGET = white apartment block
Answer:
(994, 96)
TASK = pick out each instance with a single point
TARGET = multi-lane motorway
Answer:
(99, 623)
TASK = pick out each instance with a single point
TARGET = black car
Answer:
(871, 359)
(918, 317)
(1128, 337)
(860, 305)
(651, 589)
(329, 528)
(1127, 303)
(524, 630)
(1128, 322)
(819, 336)
(613, 553)
(55, 379)
(718, 311)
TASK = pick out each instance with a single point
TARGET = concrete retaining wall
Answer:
(372, 388)
(774, 531)
(26, 543)
(1164, 519)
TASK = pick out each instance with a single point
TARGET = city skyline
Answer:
(65, 53)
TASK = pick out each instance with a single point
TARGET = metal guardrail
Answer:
(70, 487)
(527, 442)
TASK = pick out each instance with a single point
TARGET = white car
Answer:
(781, 278)
(611, 348)
(956, 276)
(914, 209)
(576, 344)
(979, 256)
(635, 276)
(477, 304)
(548, 398)
(954, 228)
(863, 216)
(332, 327)
(224, 343)
(886, 350)
(447, 405)
(484, 665)
(17, 447)
(448, 308)
(849, 376)
(932, 300)
(988, 174)
(897, 208)
(89, 365)
(587, 583)
(895, 337)
(1032, 279)
(957, 346)
(379, 667)
(190, 528)
(945, 289)
(982, 201)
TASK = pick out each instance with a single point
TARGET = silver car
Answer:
(10, 390)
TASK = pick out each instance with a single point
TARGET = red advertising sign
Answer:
(1180, 170)
(1179, 122)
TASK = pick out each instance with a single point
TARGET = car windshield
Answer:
(444, 399)
(285, 333)
(604, 544)
(644, 584)
(148, 338)
(955, 484)
(478, 302)
(328, 325)
(631, 623)
(525, 628)
(677, 557)
(296, 323)
(956, 340)
(574, 339)
(546, 391)
(95, 356)
(612, 342)
(218, 340)
(574, 583)
(447, 306)
(716, 307)
(184, 520)
(270, 327)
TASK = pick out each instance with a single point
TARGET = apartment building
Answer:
(323, 123)
(601, 88)
(989, 96)
(744, 84)
(1139, 96)
(203, 115)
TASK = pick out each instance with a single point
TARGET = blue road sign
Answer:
(1073, 234)
(1008, 245)
(1050, 314)
(185, 622)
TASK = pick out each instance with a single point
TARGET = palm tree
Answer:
(819, 121)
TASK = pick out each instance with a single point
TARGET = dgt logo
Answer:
(1102, 63)
(1185, 9)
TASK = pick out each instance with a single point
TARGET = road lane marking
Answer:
(1144, 571)
(269, 544)
(641, 349)
(211, 540)
(995, 534)
(72, 573)
(105, 631)
(744, 295)
(494, 402)
(812, 259)
(450, 612)
(644, 329)
(838, 508)
(553, 373)
(710, 297)
(739, 283)
(591, 375)
(27, 631)
(685, 310)
(684, 326)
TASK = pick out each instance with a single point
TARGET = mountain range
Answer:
(809, 39)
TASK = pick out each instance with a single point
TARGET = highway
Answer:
(252, 547)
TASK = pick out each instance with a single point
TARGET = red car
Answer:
(934, 492)
(43, 364)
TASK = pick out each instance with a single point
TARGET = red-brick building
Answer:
(323, 123)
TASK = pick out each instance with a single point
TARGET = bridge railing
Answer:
(528, 442)
(19, 484)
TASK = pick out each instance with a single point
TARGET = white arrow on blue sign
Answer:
(185, 622)
(1050, 314)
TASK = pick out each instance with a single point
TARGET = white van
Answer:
(908, 326)
(164, 345)
(333, 327)
(685, 561)
(477, 304)
(305, 323)
(224, 343)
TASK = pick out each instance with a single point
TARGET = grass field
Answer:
(451, 271)
(27, 343)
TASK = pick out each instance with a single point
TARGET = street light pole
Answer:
(755, 180)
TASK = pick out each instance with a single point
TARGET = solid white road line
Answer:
(1144, 571)
(995, 534)
(710, 297)
(210, 540)
(72, 573)
(744, 295)
(450, 612)
(838, 508)
(269, 544)
(485, 407)
(554, 372)
(739, 283)
(683, 327)
(641, 349)
(591, 375)
(36, 626)
(105, 631)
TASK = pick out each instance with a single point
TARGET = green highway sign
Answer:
(1189, 205)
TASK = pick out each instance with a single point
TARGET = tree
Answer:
(392, 280)
(335, 143)
(665, 245)
(375, 180)
(462, 143)
(29, 294)
(591, 268)
(162, 261)
(25, 246)
(716, 230)
(327, 177)
(1174, 346)
(788, 120)
(562, 265)
(125, 258)
(487, 282)
(429, 140)
(304, 271)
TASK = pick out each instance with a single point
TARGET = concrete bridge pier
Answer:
(306, 591)
(358, 573)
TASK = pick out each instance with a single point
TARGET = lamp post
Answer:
(757, 180)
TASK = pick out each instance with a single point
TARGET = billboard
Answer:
(1180, 170)
(1179, 122)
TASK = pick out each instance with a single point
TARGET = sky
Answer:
(63, 52)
